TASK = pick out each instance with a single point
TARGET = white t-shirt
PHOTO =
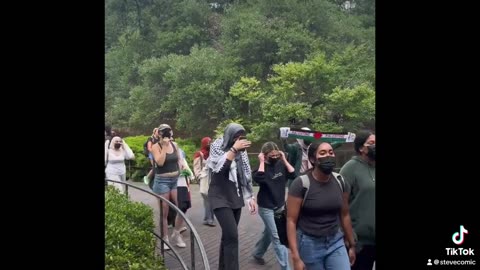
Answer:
(116, 160)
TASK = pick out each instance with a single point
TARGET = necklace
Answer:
(370, 173)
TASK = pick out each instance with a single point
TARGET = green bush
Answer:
(139, 166)
(129, 242)
(189, 147)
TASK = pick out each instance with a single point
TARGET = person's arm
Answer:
(294, 204)
(232, 152)
(182, 164)
(187, 167)
(106, 153)
(346, 223)
(128, 152)
(348, 174)
(149, 145)
(197, 166)
(159, 154)
(259, 175)
(286, 146)
(290, 168)
(298, 159)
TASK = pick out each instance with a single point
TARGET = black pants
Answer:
(365, 258)
(228, 219)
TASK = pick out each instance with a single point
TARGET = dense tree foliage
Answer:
(200, 64)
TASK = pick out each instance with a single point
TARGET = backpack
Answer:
(280, 216)
(306, 183)
(145, 147)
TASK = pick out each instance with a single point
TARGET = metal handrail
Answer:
(193, 232)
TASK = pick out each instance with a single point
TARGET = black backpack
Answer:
(145, 147)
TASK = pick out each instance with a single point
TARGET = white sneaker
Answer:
(182, 229)
(165, 247)
(177, 239)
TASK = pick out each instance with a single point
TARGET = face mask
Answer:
(325, 164)
(117, 145)
(167, 134)
(272, 160)
(371, 152)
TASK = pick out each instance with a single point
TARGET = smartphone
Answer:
(242, 137)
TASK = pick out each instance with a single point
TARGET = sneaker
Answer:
(145, 180)
(178, 240)
(211, 224)
(165, 247)
(182, 229)
(259, 260)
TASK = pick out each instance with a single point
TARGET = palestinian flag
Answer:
(317, 136)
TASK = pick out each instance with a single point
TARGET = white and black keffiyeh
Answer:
(240, 171)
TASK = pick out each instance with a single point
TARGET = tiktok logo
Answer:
(457, 237)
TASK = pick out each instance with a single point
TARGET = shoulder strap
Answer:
(305, 184)
(339, 179)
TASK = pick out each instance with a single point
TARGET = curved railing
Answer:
(193, 232)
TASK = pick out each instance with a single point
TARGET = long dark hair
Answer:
(360, 139)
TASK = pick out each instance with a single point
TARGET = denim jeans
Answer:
(164, 185)
(323, 253)
(270, 235)
(209, 216)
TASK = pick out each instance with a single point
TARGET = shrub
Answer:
(129, 242)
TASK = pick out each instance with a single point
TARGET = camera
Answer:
(167, 133)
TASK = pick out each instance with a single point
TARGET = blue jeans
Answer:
(164, 185)
(270, 235)
(323, 253)
(209, 215)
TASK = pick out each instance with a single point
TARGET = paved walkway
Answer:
(249, 230)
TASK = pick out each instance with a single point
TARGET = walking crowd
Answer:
(329, 212)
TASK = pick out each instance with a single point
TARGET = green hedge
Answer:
(142, 162)
(129, 242)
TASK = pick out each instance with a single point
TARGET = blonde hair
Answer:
(268, 147)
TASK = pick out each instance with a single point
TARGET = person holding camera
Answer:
(231, 184)
(168, 164)
(115, 155)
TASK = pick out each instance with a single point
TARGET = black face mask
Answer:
(167, 134)
(272, 160)
(371, 152)
(117, 145)
(326, 164)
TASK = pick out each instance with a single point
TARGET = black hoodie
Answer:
(272, 185)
